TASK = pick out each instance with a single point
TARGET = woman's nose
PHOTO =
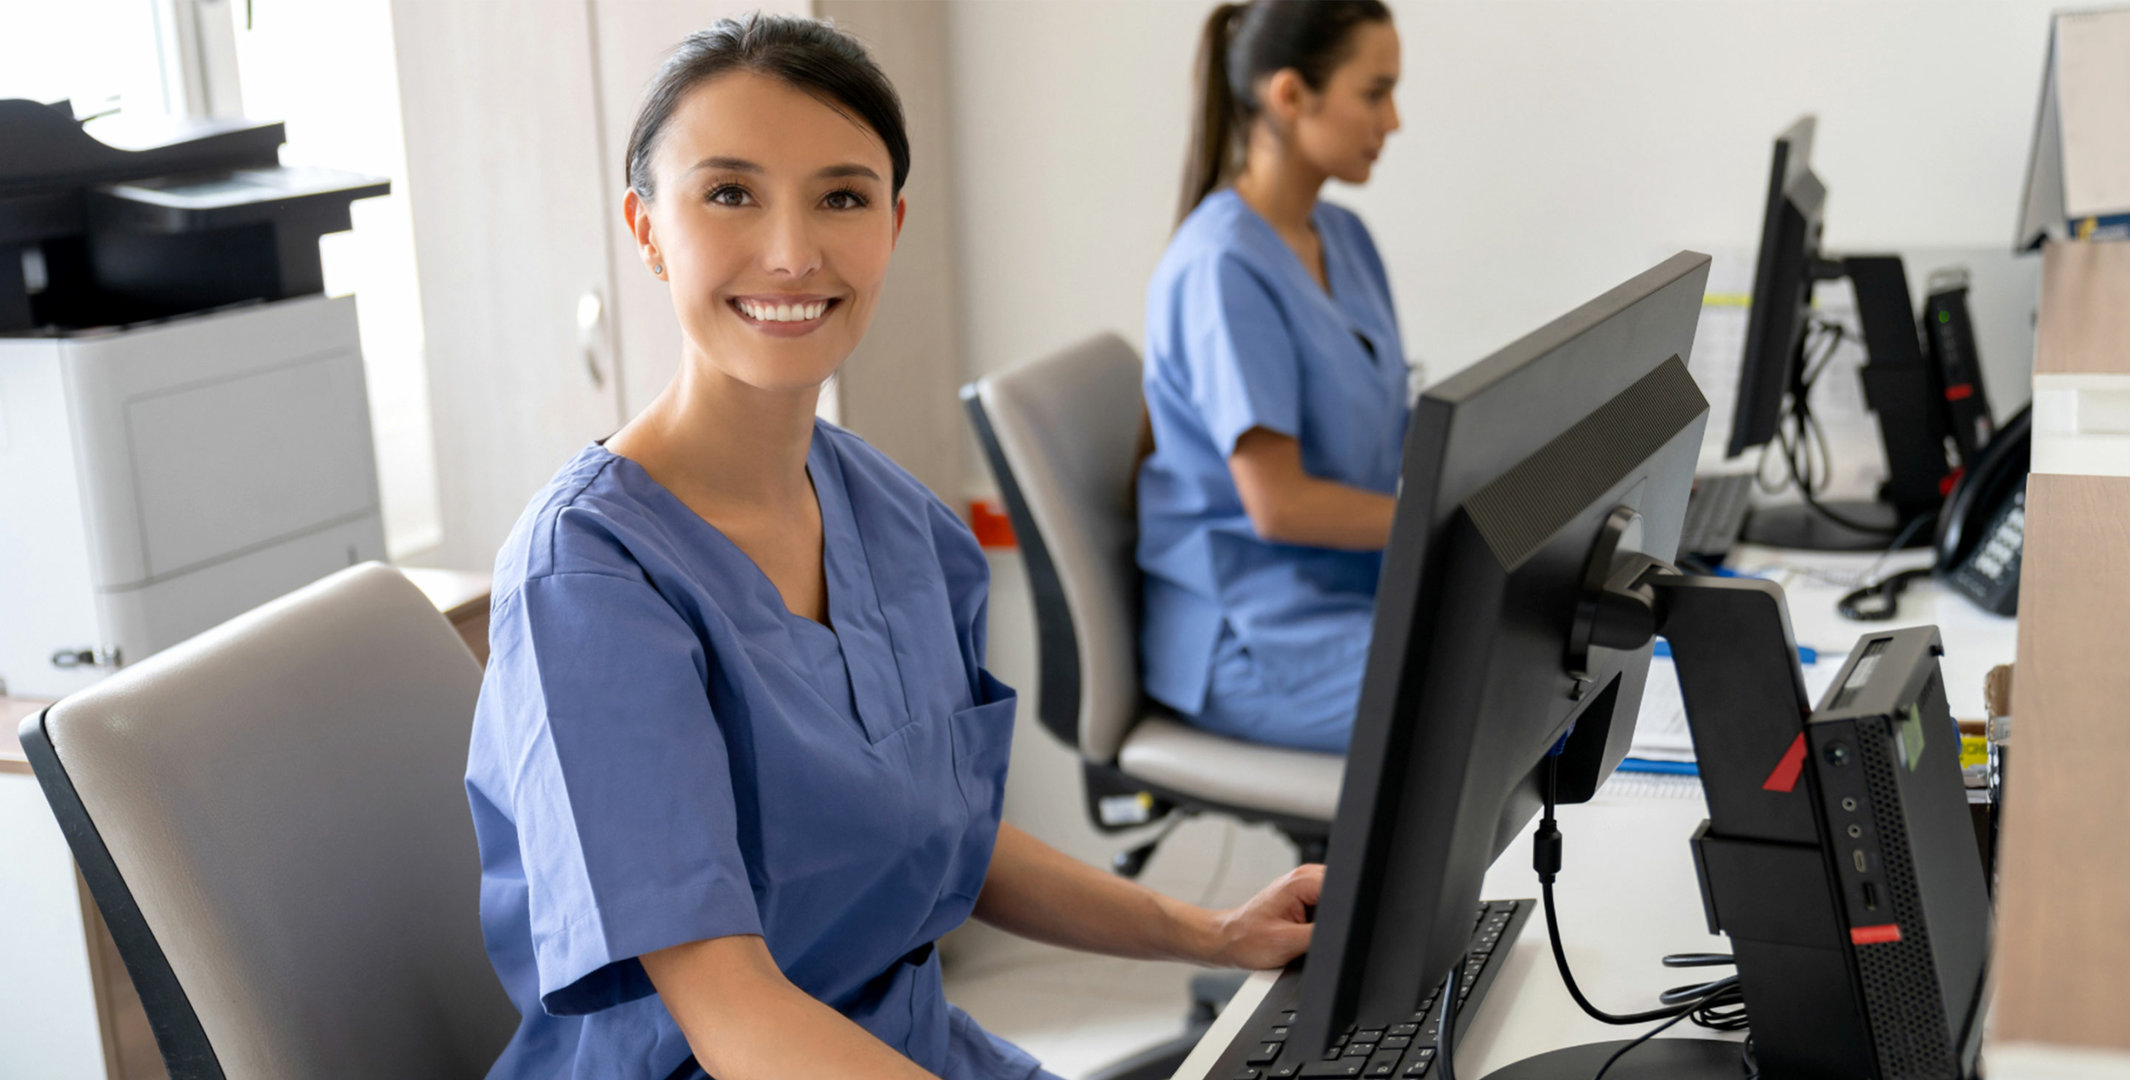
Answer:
(790, 248)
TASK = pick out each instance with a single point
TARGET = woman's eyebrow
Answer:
(837, 172)
(727, 164)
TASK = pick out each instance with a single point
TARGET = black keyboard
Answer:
(1715, 515)
(1404, 1050)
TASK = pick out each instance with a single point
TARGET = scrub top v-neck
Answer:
(1241, 335)
(664, 753)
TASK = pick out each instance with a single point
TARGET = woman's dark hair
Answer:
(806, 54)
(1245, 42)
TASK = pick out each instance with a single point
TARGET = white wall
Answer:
(1550, 149)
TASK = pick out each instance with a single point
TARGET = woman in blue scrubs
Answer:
(737, 764)
(1276, 383)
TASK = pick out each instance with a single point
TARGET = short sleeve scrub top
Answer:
(1259, 640)
(663, 753)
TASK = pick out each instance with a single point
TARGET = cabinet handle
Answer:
(591, 312)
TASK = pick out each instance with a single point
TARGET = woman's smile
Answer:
(784, 315)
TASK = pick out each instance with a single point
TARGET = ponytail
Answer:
(1245, 42)
(1214, 146)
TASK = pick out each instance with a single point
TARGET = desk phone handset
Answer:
(1981, 533)
(1982, 528)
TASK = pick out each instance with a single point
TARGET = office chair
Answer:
(272, 819)
(1062, 439)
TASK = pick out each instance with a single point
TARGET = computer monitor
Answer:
(1782, 289)
(1904, 390)
(1512, 470)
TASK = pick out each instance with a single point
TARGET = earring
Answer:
(658, 270)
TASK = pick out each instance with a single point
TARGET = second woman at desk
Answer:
(1275, 382)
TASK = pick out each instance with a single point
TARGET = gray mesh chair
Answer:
(1062, 438)
(271, 816)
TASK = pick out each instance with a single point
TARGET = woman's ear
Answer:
(1282, 94)
(902, 208)
(638, 213)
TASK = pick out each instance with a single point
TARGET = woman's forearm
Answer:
(745, 1021)
(1038, 892)
(1289, 506)
(1325, 513)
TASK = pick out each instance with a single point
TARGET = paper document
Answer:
(1660, 732)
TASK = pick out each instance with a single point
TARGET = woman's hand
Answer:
(1270, 928)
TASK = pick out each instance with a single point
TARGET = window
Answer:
(327, 71)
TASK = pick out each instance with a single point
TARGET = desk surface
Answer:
(12, 712)
(1627, 890)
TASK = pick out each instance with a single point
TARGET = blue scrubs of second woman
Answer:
(1263, 641)
(664, 753)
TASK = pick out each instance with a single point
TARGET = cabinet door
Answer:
(505, 167)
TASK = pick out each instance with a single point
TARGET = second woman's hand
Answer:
(1269, 929)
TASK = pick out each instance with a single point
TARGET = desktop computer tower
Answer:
(1839, 857)
(1885, 756)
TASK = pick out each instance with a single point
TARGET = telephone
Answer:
(1982, 527)
(1981, 532)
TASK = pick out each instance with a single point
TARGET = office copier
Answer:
(184, 428)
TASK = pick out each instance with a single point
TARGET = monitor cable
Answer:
(1719, 1004)
(1445, 1029)
(1807, 472)
(1546, 859)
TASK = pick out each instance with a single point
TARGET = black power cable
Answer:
(1445, 1032)
(1546, 859)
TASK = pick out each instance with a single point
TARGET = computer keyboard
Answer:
(1715, 515)
(1404, 1050)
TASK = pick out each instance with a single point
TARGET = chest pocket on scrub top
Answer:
(983, 737)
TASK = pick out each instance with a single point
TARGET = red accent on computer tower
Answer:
(1784, 778)
(1882, 934)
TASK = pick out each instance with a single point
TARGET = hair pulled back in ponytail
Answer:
(1241, 44)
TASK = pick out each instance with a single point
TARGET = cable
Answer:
(1546, 859)
(1445, 1030)
(1639, 1040)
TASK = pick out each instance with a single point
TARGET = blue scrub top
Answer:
(1239, 335)
(663, 753)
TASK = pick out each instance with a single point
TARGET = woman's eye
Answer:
(728, 195)
(844, 199)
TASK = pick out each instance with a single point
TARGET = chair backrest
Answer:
(272, 818)
(1062, 435)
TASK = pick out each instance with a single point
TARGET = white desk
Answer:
(1627, 891)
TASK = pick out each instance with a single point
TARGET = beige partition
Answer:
(2062, 951)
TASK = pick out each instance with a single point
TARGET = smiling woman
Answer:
(737, 763)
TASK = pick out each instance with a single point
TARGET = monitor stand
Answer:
(1658, 1059)
(1800, 527)
(1906, 395)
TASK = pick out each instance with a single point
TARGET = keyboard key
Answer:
(1337, 1051)
(1285, 1071)
(1249, 1074)
(1357, 1048)
(1316, 1070)
(1407, 1030)
(1415, 1069)
(1394, 1042)
(1265, 1054)
(1384, 1064)
(1279, 1031)
(1371, 1035)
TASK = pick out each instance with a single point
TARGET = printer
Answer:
(184, 427)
